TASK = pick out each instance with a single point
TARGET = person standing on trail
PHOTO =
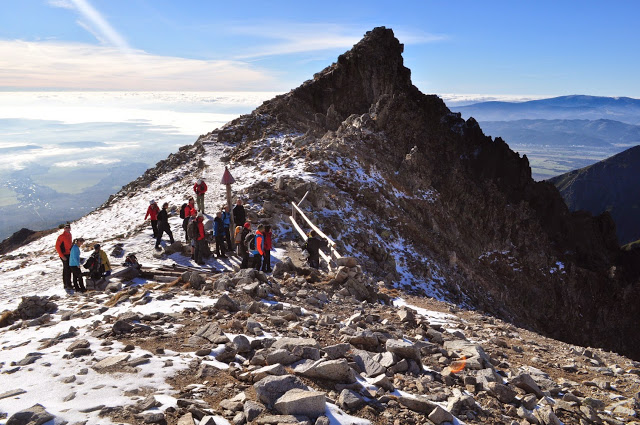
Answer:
(200, 239)
(243, 251)
(218, 233)
(163, 225)
(239, 214)
(313, 245)
(189, 212)
(63, 246)
(266, 256)
(226, 223)
(152, 214)
(74, 264)
(200, 188)
(258, 254)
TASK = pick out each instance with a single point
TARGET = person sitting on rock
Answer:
(313, 245)
(104, 266)
(163, 225)
(152, 214)
(74, 264)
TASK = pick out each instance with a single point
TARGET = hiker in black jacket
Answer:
(163, 225)
(239, 214)
(313, 245)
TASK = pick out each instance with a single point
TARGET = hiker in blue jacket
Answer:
(74, 264)
(226, 224)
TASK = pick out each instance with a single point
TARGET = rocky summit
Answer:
(428, 193)
(467, 292)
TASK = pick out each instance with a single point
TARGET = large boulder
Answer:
(271, 388)
(34, 415)
(300, 402)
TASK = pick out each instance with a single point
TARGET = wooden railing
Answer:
(295, 210)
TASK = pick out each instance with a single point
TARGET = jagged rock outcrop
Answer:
(462, 203)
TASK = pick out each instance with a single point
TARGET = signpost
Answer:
(228, 180)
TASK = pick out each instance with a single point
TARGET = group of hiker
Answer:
(68, 249)
(254, 248)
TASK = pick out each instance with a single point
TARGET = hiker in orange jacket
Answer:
(200, 188)
(63, 246)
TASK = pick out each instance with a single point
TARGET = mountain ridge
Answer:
(609, 185)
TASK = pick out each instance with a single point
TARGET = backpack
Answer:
(91, 263)
(238, 235)
(191, 229)
(250, 242)
(182, 208)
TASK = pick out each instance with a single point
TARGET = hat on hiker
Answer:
(67, 226)
(152, 202)
(96, 246)
(200, 215)
(199, 181)
(247, 225)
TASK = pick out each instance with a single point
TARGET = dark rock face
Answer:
(611, 185)
(506, 244)
(20, 238)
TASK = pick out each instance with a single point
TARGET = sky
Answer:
(543, 48)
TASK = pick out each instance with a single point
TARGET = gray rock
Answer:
(252, 410)
(197, 280)
(283, 420)
(546, 416)
(439, 415)
(529, 401)
(228, 354)
(80, 343)
(525, 382)
(383, 382)
(418, 404)
(475, 356)
(111, 362)
(12, 393)
(365, 362)
(122, 327)
(271, 388)
(332, 370)
(225, 302)
(459, 402)
(527, 415)
(336, 351)
(34, 415)
(503, 393)
(287, 343)
(148, 403)
(186, 420)
(232, 405)
(350, 400)
(153, 418)
(241, 344)
(403, 349)
(322, 420)
(300, 402)
(407, 315)
(347, 262)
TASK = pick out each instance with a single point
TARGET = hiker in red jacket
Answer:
(189, 211)
(63, 246)
(152, 214)
(200, 239)
(266, 256)
(200, 188)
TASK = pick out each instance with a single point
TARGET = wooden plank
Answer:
(313, 226)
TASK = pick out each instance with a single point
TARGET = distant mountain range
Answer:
(611, 185)
(623, 109)
(601, 133)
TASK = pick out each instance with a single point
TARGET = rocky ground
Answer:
(308, 347)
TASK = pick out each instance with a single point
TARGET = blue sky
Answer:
(542, 48)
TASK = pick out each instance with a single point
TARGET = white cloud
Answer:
(291, 38)
(25, 64)
(85, 162)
